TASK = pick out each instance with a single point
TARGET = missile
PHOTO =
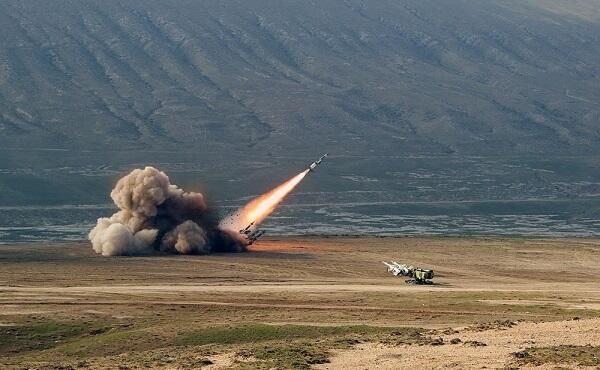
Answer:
(254, 237)
(247, 229)
(390, 267)
(314, 165)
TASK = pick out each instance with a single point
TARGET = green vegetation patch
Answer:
(581, 355)
(292, 356)
(105, 344)
(24, 338)
(262, 332)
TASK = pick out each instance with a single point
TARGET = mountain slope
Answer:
(474, 78)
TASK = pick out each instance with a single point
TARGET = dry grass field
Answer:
(304, 302)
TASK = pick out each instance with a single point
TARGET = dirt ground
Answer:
(492, 349)
(317, 302)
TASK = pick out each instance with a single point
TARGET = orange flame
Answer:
(258, 209)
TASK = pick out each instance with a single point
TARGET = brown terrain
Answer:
(305, 302)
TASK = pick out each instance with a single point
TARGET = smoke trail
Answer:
(157, 215)
(258, 209)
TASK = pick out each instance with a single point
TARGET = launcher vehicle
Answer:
(251, 233)
(417, 275)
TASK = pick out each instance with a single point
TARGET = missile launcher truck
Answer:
(417, 275)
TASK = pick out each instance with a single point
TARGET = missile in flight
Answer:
(314, 165)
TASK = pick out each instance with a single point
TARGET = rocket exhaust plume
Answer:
(258, 209)
(156, 215)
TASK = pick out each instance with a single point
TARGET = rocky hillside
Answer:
(355, 76)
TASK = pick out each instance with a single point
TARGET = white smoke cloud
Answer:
(157, 215)
(116, 239)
